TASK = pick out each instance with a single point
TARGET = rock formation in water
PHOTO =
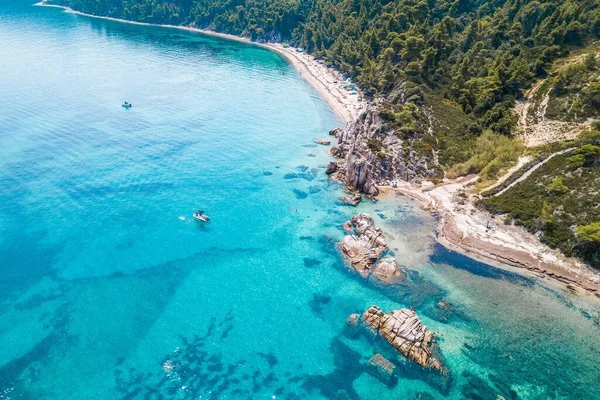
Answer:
(363, 249)
(404, 331)
(387, 270)
(331, 168)
(374, 155)
(322, 141)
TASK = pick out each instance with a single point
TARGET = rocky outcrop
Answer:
(387, 270)
(331, 168)
(322, 141)
(363, 248)
(374, 155)
(359, 175)
(404, 331)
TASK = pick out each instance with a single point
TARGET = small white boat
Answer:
(201, 217)
(126, 104)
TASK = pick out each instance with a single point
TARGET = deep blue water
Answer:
(109, 289)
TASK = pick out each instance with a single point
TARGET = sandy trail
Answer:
(536, 130)
(533, 169)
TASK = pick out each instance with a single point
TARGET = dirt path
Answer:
(533, 169)
(535, 130)
(520, 163)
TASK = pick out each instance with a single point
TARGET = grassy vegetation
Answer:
(560, 201)
(493, 154)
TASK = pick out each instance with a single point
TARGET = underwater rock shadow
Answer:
(442, 255)
(193, 370)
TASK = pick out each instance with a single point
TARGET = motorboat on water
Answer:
(126, 104)
(201, 217)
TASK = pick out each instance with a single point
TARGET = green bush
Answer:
(589, 233)
(557, 186)
(493, 153)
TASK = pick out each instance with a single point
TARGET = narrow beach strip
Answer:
(325, 80)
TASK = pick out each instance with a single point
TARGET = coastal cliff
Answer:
(372, 153)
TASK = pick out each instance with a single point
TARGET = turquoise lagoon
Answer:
(109, 289)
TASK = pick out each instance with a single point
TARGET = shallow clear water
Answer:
(108, 288)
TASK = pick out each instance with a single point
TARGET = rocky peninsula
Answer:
(371, 159)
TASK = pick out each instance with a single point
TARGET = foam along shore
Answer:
(464, 228)
(327, 81)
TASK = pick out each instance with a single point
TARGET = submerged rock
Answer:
(404, 331)
(381, 368)
(300, 194)
(314, 189)
(353, 319)
(351, 201)
(352, 328)
(322, 141)
(291, 175)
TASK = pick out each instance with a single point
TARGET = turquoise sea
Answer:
(110, 290)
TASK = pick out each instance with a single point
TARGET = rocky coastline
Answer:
(370, 155)
(372, 160)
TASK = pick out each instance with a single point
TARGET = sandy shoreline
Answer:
(325, 80)
(463, 228)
